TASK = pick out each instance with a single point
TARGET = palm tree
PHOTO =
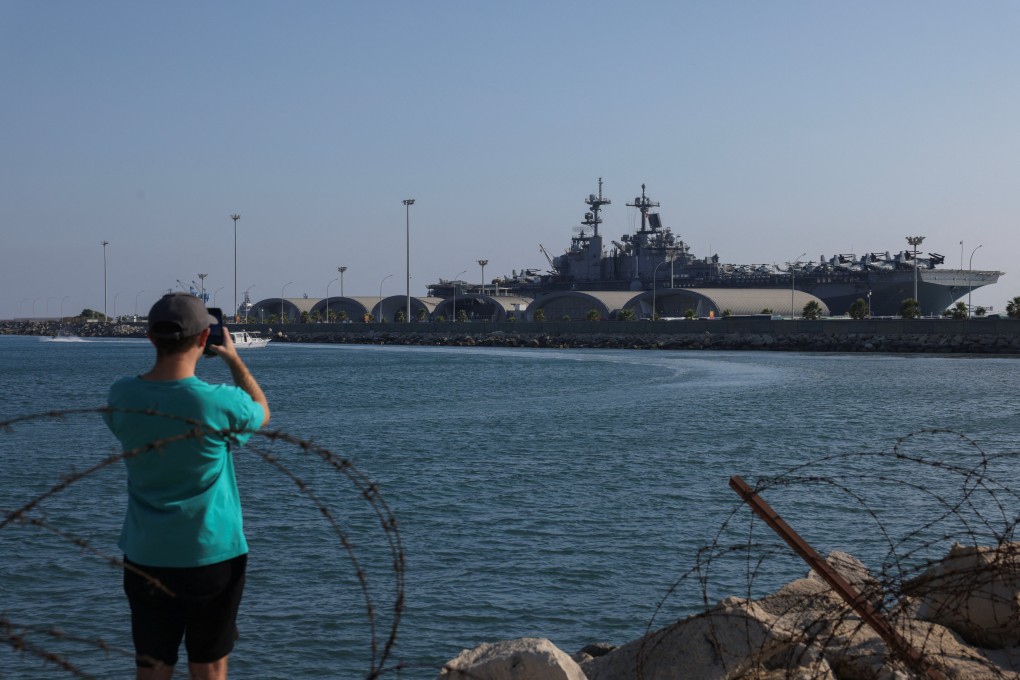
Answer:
(1013, 308)
(959, 311)
(859, 309)
(812, 310)
(910, 309)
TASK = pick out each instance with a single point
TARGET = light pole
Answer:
(105, 316)
(327, 299)
(341, 269)
(408, 202)
(453, 318)
(380, 296)
(483, 263)
(915, 241)
(970, 267)
(793, 276)
(655, 280)
(136, 301)
(215, 293)
(201, 277)
(281, 300)
(235, 217)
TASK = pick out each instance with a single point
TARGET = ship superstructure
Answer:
(654, 256)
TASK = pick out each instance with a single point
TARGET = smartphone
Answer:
(215, 330)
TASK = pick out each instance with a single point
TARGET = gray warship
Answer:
(654, 256)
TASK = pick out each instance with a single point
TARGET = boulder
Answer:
(729, 641)
(974, 591)
(521, 659)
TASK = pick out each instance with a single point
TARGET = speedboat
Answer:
(246, 340)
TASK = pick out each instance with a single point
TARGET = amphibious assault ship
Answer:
(654, 256)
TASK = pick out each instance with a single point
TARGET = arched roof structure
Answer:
(387, 308)
(577, 303)
(289, 308)
(355, 307)
(714, 301)
(481, 307)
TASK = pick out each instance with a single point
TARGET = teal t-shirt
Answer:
(184, 509)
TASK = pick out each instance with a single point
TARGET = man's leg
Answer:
(217, 670)
(161, 672)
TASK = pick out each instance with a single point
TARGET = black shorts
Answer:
(202, 611)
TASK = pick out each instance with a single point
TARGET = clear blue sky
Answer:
(764, 129)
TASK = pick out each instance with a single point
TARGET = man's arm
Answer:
(240, 373)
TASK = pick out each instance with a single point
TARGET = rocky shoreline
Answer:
(947, 337)
(960, 619)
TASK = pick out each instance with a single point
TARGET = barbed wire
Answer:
(952, 493)
(804, 630)
(381, 644)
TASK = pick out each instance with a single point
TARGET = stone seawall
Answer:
(936, 336)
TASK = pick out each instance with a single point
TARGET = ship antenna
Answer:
(592, 219)
(643, 203)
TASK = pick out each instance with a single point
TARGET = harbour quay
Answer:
(971, 336)
(992, 335)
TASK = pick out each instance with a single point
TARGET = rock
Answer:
(521, 659)
(974, 591)
(729, 641)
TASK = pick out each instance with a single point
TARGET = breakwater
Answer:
(937, 336)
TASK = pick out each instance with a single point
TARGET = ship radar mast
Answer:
(643, 203)
(592, 219)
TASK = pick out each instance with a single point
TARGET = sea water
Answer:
(464, 495)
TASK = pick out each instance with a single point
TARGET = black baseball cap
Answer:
(179, 315)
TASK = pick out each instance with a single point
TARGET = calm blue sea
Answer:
(555, 493)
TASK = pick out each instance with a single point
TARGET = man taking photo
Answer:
(184, 547)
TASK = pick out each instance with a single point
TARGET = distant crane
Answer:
(549, 259)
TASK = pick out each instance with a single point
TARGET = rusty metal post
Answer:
(897, 643)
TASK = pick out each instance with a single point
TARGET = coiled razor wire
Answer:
(961, 497)
(23, 638)
(973, 504)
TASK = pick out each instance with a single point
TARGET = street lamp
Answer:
(327, 299)
(793, 276)
(655, 280)
(408, 202)
(483, 263)
(235, 217)
(915, 241)
(106, 317)
(380, 295)
(136, 301)
(341, 269)
(453, 318)
(215, 293)
(281, 300)
(970, 266)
